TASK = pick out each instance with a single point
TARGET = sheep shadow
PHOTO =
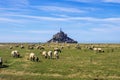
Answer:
(4, 66)
(18, 57)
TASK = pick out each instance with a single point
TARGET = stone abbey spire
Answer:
(61, 37)
(60, 29)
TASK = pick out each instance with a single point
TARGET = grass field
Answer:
(73, 64)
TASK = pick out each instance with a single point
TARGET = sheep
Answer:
(77, 47)
(56, 53)
(62, 47)
(50, 54)
(11, 47)
(16, 45)
(95, 49)
(57, 49)
(30, 47)
(98, 50)
(37, 47)
(22, 47)
(1, 61)
(33, 57)
(44, 53)
(15, 53)
(90, 48)
(40, 47)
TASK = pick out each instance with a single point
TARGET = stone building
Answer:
(61, 37)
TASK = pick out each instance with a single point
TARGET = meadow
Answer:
(73, 64)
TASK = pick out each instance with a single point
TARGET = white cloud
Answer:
(21, 18)
(112, 1)
(37, 31)
(93, 19)
(86, 1)
(15, 3)
(96, 1)
(59, 9)
(106, 30)
(60, 15)
(42, 18)
(8, 20)
(81, 0)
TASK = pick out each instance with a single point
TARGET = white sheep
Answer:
(50, 54)
(44, 53)
(95, 49)
(11, 47)
(15, 53)
(56, 53)
(32, 56)
(0, 61)
(22, 47)
(98, 49)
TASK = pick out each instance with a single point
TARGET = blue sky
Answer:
(38, 20)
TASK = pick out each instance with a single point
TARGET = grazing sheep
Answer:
(41, 48)
(98, 50)
(30, 47)
(95, 49)
(32, 56)
(56, 53)
(22, 47)
(0, 61)
(44, 53)
(57, 49)
(77, 47)
(15, 53)
(17, 45)
(37, 47)
(50, 54)
(11, 47)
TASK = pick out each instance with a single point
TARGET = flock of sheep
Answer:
(32, 55)
(49, 53)
(46, 54)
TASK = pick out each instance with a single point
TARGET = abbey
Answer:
(61, 37)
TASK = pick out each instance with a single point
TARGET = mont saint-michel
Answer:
(61, 37)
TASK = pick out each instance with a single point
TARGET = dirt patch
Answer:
(20, 73)
(2, 45)
(73, 75)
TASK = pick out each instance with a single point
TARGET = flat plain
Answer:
(74, 63)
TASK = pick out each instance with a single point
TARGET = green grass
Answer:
(74, 64)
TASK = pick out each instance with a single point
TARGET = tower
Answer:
(60, 30)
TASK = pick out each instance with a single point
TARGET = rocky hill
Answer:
(61, 37)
